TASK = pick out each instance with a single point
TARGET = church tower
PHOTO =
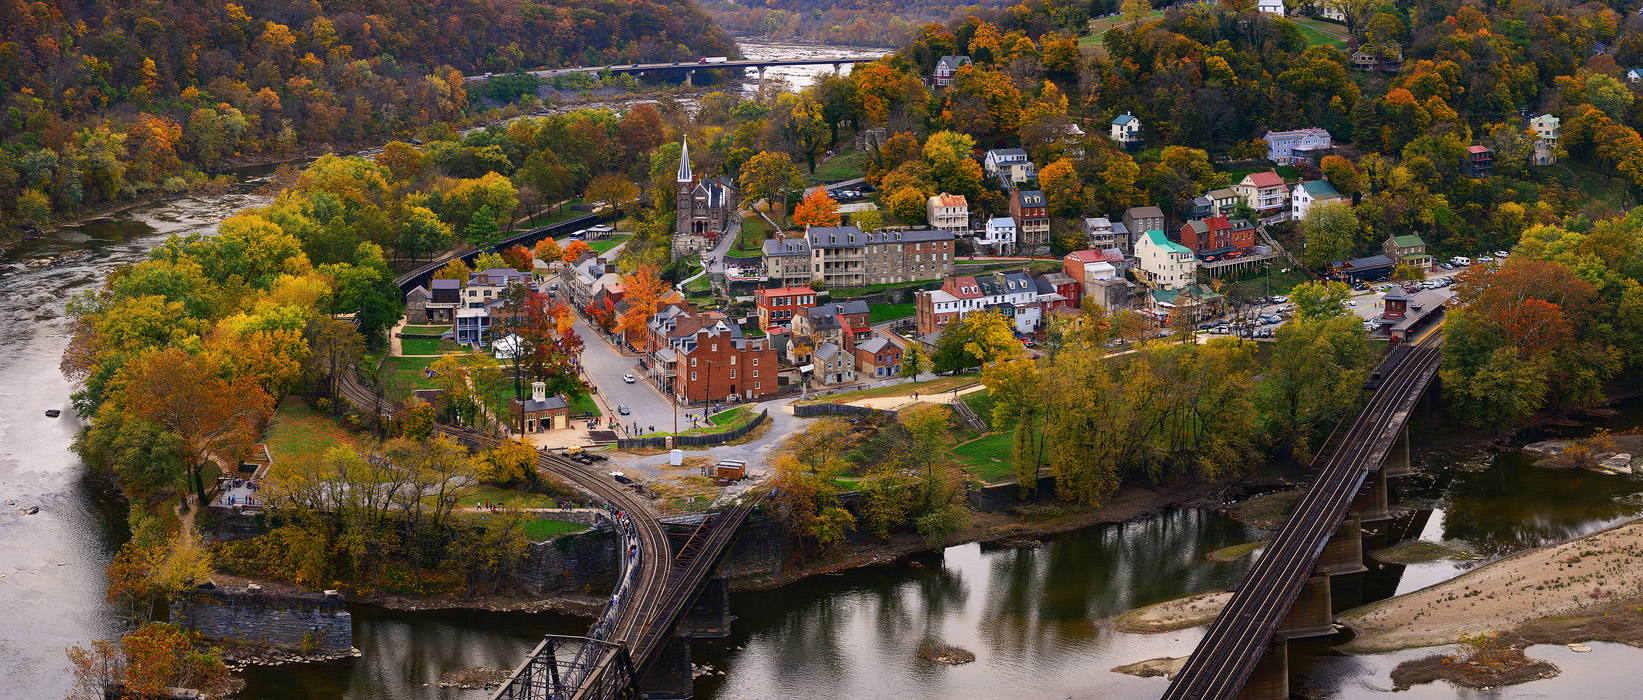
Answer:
(683, 185)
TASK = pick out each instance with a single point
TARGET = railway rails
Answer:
(1226, 657)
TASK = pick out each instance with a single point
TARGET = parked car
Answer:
(1500, 253)
(623, 409)
(1486, 259)
(1447, 266)
(628, 378)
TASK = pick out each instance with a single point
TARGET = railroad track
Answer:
(1223, 661)
(652, 560)
(408, 280)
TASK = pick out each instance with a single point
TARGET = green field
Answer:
(299, 432)
(848, 164)
(755, 230)
(424, 346)
(542, 530)
(879, 313)
(1316, 36)
(425, 330)
(875, 289)
(409, 374)
(988, 457)
(608, 243)
(507, 497)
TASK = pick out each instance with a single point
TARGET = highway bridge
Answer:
(1286, 593)
(689, 68)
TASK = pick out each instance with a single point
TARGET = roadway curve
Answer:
(1223, 661)
(650, 563)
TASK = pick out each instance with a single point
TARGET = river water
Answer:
(1034, 617)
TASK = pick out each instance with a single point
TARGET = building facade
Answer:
(1032, 219)
(1287, 147)
(946, 67)
(703, 209)
(778, 306)
(1310, 193)
(1266, 194)
(948, 212)
(1165, 264)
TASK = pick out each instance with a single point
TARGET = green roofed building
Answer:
(1407, 250)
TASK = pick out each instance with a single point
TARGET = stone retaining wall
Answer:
(310, 623)
(576, 563)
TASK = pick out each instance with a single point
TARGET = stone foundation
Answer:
(310, 623)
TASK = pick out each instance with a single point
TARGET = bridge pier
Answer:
(669, 676)
(761, 78)
(1370, 503)
(1343, 554)
(1270, 679)
(1313, 614)
(1397, 461)
(689, 74)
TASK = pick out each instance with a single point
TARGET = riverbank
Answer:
(1171, 615)
(1553, 594)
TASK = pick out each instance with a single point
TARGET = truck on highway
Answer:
(713, 59)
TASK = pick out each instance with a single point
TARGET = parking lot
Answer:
(1367, 304)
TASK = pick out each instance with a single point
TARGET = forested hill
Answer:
(105, 101)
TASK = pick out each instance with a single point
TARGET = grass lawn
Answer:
(982, 403)
(875, 289)
(423, 346)
(723, 422)
(299, 432)
(542, 530)
(409, 371)
(1316, 37)
(700, 285)
(929, 386)
(1603, 197)
(582, 404)
(755, 231)
(608, 243)
(879, 313)
(425, 330)
(848, 164)
(560, 214)
(988, 457)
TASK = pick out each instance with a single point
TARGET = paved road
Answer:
(605, 367)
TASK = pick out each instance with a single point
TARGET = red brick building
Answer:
(712, 361)
(778, 306)
(879, 358)
(1215, 235)
(956, 298)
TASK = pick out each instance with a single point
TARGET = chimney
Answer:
(539, 391)
(610, 268)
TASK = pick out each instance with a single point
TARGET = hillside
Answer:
(110, 101)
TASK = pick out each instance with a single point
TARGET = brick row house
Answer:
(699, 357)
(1032, 219)
(777, 307)
(1013, 294)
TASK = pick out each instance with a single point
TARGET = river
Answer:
(1034, 617)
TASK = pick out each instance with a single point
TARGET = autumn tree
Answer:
(643, 290)
(148, 662)
(1320, 300)
(456, 269)
(615, 190)
(817, 209)
(216, 419)
(806, 489)
(770, 176)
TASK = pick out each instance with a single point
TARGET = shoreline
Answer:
(1541, 588)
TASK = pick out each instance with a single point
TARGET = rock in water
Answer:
(1551, 448)
(1621, 463)
(53, 413)
(29, 510)
(1579, 648)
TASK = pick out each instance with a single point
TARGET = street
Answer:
(605, 367)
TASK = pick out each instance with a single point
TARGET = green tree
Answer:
(1316, 380)
(1331, 229)
(482, 230)
(770, 176)
(914, 361)
(1320, 300)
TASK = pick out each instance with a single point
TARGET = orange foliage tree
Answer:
(148, 663)
(217, 419)
(817, 209)
(573, 250)
(642, 289)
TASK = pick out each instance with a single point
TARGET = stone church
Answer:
(704, 209)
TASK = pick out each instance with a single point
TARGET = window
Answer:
(755, 373)
(733, 374)
(755, 362)
(693, 376)
(693, 363)
(755, 385)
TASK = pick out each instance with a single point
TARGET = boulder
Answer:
(1550, 448)
(1619, 463)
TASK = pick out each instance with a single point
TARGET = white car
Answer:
(1500, 254)
(1486, 259)
(628, 378)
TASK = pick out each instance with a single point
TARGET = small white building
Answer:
(1273, 7)
(1310, 193)
(1547, 128)
(948, 212)
(1000, 236)
(1010, 165)
(1332, 13)
(1165, 264)
(1126, 129)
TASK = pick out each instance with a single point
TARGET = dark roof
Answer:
(1371, 261)
(855, 306)
(548, 404)
(445, 284)
(835, 236)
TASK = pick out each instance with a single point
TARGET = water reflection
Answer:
(1588, 676)
(1033, 617)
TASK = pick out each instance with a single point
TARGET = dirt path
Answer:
(1567, 579)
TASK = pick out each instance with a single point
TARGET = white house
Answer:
(1332, 12)
(1126, 129)
(948, 212)
(1312, 192)
(1634, 75)
(1009, 164)
(1165, 264)
(1286, 147)
(1547, 129)
(1000, 236)
(1275, 7)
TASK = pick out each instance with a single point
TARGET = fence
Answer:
(817, 409)
(694, 440)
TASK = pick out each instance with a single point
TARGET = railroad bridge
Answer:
(1286, 594)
